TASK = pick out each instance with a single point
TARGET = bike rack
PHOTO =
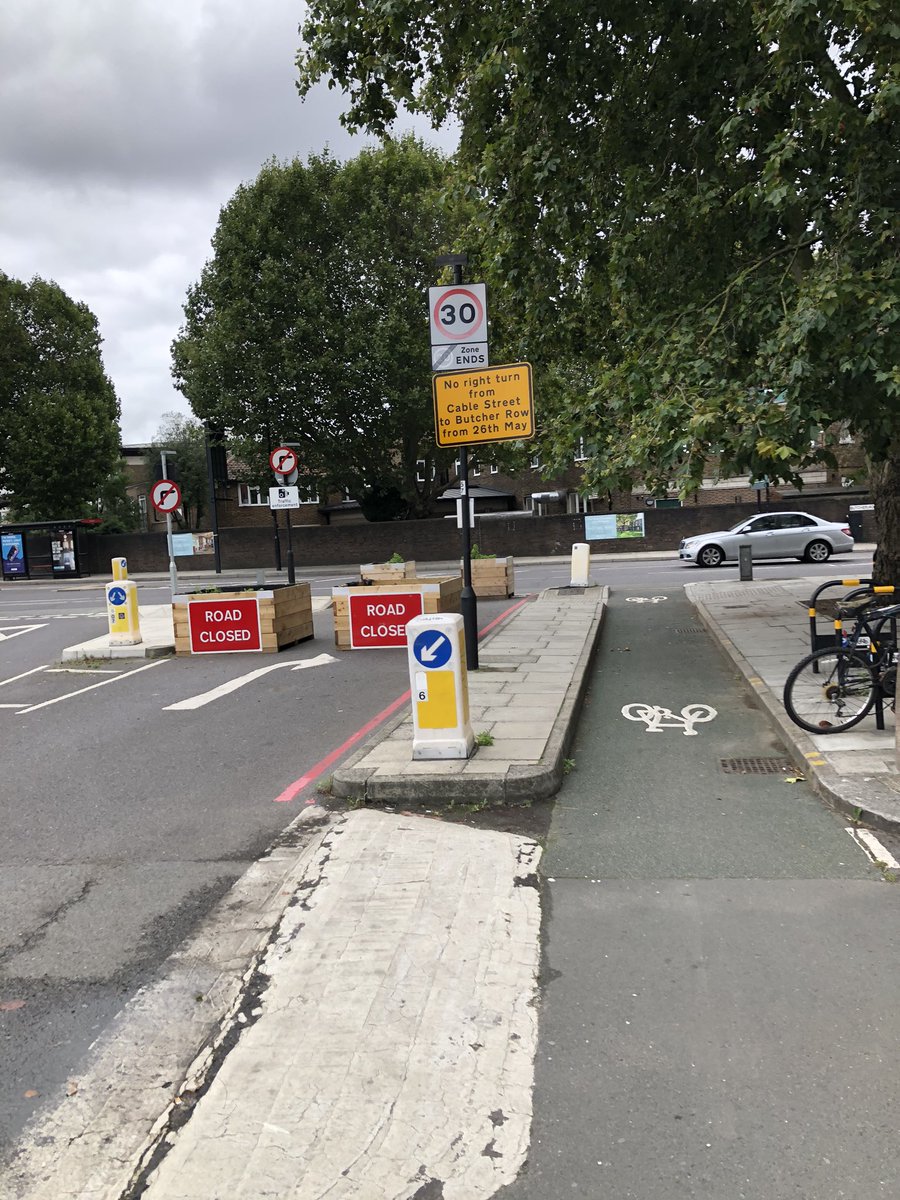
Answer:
(823, 641)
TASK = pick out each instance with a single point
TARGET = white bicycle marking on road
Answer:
(645, 599)
(224, 689)
(657, 718)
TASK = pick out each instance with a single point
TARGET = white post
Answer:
(581, 565)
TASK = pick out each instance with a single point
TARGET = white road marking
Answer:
(10, 705)
(102, 683)
(872, 848)
(11, 631)
(81, 671)
(657, 718)
(225, 689)
(645, 599)
(13, 678)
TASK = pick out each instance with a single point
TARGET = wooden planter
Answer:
(493, 577)
(285, 615)
(440, 594)
(387, 572)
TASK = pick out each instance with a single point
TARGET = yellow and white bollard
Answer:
(120, 568)
(440, 689)
(581, 565)
(122, 610)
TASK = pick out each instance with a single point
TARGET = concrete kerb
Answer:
(519, 784)
(874, 804)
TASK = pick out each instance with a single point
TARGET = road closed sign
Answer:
(379, 621)
(494, 404)
(223, 626)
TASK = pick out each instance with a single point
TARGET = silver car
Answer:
(770, 535)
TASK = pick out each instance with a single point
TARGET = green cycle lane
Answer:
(719, 1010)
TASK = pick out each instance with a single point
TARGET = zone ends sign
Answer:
(493, 404)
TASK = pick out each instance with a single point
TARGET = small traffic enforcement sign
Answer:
(379, 621)
(222, 626)
(165, 495)
(284, 497)
(458, 314)
(432, 649)
(283, 460)
(494, 404)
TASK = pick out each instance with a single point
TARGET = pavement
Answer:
(358, 1018)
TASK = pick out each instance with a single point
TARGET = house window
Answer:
(308, 495)
(495, 470)
(535, 463)
(420, 470)
(580, 455)
(476, 467)
(251, 497)
(580, 504)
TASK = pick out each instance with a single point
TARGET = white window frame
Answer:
(308, 495)
(535, 463)
(580, 455)
(494, 469)
(476, 467)
(245, 496)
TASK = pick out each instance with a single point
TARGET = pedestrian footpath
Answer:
(763, 628)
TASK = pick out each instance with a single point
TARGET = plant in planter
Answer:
(492, 577)
(395, 569)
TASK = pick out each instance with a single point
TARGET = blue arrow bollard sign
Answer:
(432, 649)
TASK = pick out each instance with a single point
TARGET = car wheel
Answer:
(710, 556)
(817, 552)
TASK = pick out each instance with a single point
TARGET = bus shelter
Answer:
(44, 550)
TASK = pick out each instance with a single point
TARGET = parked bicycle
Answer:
(834, 688)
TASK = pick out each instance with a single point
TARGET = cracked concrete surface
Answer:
(392, 1053)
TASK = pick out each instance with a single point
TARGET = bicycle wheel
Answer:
(829, 691)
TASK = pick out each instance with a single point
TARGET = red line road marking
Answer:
(293, 789)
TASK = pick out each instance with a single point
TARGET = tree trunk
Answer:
(885, 482)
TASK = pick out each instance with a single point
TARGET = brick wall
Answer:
(438, 540)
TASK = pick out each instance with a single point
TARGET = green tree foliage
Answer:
(308, 324)
(59, 434)
(187, 439)
(696, 204)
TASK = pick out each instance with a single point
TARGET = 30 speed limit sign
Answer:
(458, 313)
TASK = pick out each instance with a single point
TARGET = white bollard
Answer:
(581, 565)
(439, 684)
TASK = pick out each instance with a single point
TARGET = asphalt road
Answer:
(124, 820)
(718, 1014)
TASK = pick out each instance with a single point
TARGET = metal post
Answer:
(173, 572)
(468, 601)
(213, 508)
(290, 554)
(745, 558)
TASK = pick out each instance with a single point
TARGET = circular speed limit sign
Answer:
(458, 314)
(165, 496)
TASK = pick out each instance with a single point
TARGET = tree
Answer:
(695, 204)
(59, 434)
(308, 324)
(187, 438)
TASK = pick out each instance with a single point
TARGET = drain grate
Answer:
(757, 766)
(685, 629)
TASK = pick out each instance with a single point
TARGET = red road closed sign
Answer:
(379, 621)
(218, 626)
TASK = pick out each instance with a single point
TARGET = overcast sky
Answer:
(125, 125)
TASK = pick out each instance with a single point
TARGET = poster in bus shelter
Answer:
(12, 548)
